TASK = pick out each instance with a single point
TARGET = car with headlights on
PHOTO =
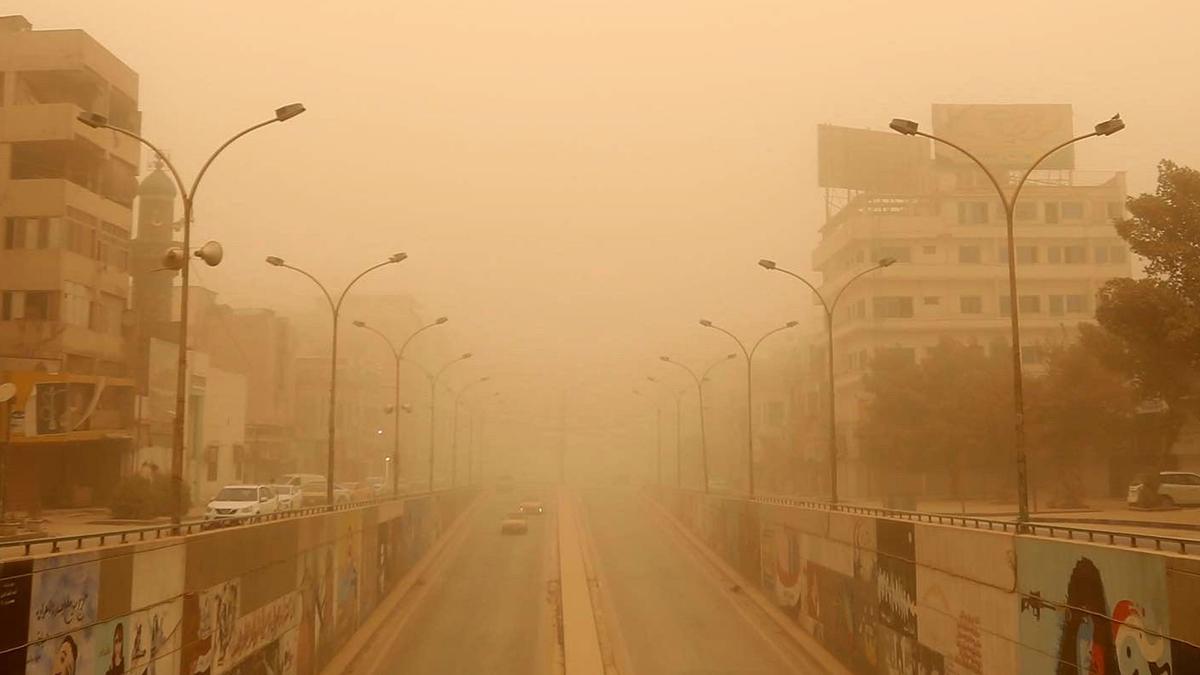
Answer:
(513, 523)
(240, 501)
(531, 507)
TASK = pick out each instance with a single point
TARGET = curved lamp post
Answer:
(678, 429)
(433, 380)
(749, 354)
(829, 307)
(336, 308)
(699, 379)
(98, 121)
(1106, 128)
(657, 433)
(454, 435)
(398, 355)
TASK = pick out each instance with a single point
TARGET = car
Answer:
(299, 479)
(531, 507)
(1176, 488)
(513, 524)
(357, 492)
(313, 494)
(378, 486)
(289, 496)
(240, 501)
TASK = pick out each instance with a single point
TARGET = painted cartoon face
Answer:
(1138, 651)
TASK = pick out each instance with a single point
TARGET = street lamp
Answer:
(749, 354)
(471, 442)
(454, 434)
(700, 396)
(678, 430)
(657, 433)
(433, 380)
(1106, 128)
(398, 355)
(829, 307)
(336, 308)
(98, 121)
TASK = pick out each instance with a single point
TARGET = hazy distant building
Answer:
(65, 218)
(936, 213)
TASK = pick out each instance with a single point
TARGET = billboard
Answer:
(875, 161)
(1005, 136)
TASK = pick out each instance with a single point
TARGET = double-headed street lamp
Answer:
(98, 121)
(657, 433)
(678, 429)
(433, 380)
(1106, 128)
(700, 396)
(398, 355)
(336, 308)
(829, 307)
(749, 354)
(454, 435)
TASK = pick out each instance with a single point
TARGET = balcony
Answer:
(56, 122)
(51, 196)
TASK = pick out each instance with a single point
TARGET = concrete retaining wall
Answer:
(893, 596)
(278, 597)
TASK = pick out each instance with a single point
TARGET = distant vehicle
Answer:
(299, 479)
(378, 486)
(312, 494)
(531, 507)
(289, 496)
(358, 491)
(1176, 488)
(239, 501)
(342, 494)
(513, 524)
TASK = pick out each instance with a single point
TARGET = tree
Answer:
(1080, 410)
(950, 414)
(1156, 320)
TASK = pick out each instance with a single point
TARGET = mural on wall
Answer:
(71, 654)
(349, 568)
(251, 633)
(15, 582)
(216, 610)
(63, 598)
(153, 637)
(112, 649)
(383, 559)
(1091, 609)
(277, 657)
(315, 636)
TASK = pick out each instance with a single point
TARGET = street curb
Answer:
(805, 642)
(348, 656)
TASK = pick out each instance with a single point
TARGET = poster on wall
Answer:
(111, 648)
(216, 611)
(70, 654)
(63, 598)
(154, 639)
(349, 568)
(254, 631)
(15, 582)
(315, 635)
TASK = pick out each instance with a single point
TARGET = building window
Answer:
(900, 253)
(972, 213)
(1116, 210)
(29, 305)
(1101, 255)
(14, 233)
(893, 307)
(1074, 255)
(969, 254)
(1005, 305)
(932, 300)
(1117, 254)
(1056, 305)
(1025, 211)
(929, 250)
(1031, 355)
(1053, 254)
(210, 461)
(1029, 304)
(970, 304)
(1072, 210)
(1052, 213)
(1027, 255)
(1076, 304)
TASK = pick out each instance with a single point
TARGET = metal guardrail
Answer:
(1041, 529)
(188, 527)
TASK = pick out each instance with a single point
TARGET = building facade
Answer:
(66, 197)
(938, 216)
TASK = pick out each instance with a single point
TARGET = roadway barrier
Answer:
(893, 595)
(279, 596)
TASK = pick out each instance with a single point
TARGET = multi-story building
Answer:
(66, 193)
(940, 218)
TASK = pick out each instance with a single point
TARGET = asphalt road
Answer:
(483, 609)
(671, 614)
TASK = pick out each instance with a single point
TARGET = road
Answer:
(671, 613)
(484, 608)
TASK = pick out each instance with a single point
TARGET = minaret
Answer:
(153, 287)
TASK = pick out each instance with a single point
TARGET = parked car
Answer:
(357, 491)
(289, 496)
(1176, 488)
(239, 501)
